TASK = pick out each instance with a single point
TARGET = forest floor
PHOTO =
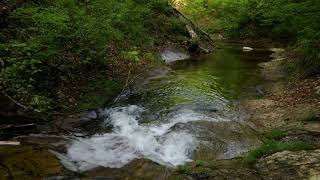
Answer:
(286, 103)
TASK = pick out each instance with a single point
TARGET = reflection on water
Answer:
(143, 123)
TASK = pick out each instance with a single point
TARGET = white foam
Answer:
(129, 141)
(170, 55)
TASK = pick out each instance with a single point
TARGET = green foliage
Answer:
(133, 55)
(274, 134)
(273, 146)
(194, 171)
(40, 103)
(293, 22)
(48, 44)
(199, 169)
(97, 93)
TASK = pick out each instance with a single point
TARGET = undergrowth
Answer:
(51, 50)
(272, 144)
(293, 23)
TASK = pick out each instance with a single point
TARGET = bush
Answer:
(292, 22)
(49, 45)
(274, 134)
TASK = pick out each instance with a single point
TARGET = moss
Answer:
(274, 134)
(178, 100)
(200, 163)
(273, 146)
(198, 169)
(26, 162)
(184, 169)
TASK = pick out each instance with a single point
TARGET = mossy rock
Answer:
(25, 162)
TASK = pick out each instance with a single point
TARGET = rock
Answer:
(85, 122)
(290, 165)
(281, 165)
(15, 130)
(277, 52)
(137, 169)
(317, 90)
(247, 49)
(57, 143)
(170, 55)
(272, 70)
(259, 91)
(25, 162)
(220, 140)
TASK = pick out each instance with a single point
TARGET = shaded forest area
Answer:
(72, 55)
(293, 23)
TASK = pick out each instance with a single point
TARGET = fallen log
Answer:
(203, 34)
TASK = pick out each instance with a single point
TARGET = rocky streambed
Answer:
(202, 112)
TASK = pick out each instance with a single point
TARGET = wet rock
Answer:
(282, 165)
(153, 75)
(57, 143)
(25, 162)
(137, 169)
(170, 55)
(220, 140)
(86, 123)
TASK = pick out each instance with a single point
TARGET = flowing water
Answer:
(177, 114)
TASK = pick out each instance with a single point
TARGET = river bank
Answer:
(286, 113)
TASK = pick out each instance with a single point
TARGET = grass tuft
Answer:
(272, 146)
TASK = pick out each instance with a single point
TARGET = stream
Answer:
(185, 111)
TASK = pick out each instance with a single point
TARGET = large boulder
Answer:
(220, 140)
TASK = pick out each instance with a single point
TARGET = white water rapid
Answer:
(131, 140)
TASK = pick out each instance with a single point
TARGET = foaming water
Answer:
(131, 140)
